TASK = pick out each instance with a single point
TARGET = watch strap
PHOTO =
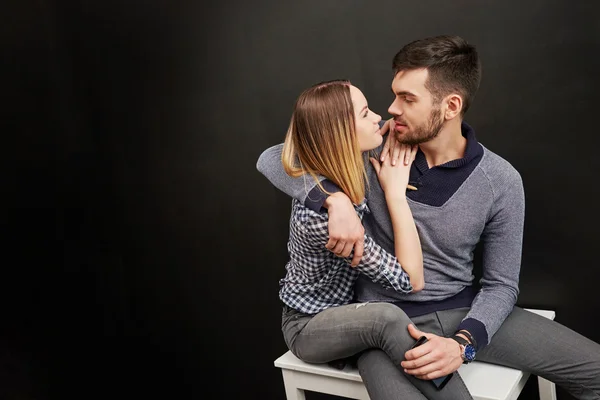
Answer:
(469, 336)
(460, 340)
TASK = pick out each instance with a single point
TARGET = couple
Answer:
(347, 292)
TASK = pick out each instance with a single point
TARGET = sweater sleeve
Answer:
(303, 188)
(502, 240)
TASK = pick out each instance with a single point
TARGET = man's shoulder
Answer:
(498, 170)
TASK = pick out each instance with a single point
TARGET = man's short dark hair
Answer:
(453, 66)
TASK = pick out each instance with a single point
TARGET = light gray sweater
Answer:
(488, 207)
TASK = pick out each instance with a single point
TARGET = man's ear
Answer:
(453, 106)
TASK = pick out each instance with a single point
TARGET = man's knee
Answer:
(369, 358)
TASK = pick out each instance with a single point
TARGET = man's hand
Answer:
(345, 228)
(438, 357)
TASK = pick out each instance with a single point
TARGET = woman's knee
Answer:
(388, 317)
(388, 312)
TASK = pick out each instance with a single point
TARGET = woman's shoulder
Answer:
(307, 223)
(306, 216)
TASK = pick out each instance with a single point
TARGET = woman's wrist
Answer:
(395, 196)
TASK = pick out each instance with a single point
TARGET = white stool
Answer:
(484, 381)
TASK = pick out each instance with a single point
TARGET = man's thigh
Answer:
(530, 342)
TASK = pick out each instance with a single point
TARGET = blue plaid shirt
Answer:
(317, 279)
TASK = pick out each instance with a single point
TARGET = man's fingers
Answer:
(339, 246)
(358, 252)
(428, 377)
(416, 333)
(346, 250)
(429, 371)
(331, 244)
(335, 245)
(418, 352)
(419, 362)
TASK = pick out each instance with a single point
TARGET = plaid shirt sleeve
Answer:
(376, 263)
(382, 267)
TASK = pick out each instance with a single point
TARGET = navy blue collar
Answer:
(472, 151)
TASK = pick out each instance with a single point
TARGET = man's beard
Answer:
(426, 132)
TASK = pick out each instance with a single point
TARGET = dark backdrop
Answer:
(142, 249)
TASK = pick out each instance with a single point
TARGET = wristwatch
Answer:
(468, 351)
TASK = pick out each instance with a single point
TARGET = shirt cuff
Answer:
(316, 197)
(477, 330)
(393, 272)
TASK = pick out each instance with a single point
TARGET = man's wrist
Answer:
(317, 196)
(335, 199)
(464, 337)
(467, 335)
(467, 350)
(459, 348)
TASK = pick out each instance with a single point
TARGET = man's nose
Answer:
(395, 109)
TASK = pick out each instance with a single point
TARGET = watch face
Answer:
(469, 353)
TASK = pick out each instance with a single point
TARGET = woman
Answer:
(330, 132)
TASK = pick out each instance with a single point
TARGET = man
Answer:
(465, 195)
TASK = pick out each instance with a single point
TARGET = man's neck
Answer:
(449, 145)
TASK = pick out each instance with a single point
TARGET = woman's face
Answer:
(367, 122)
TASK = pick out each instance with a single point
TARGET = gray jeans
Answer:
(341, 332)
(378, 331)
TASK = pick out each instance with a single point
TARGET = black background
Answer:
(142, 249)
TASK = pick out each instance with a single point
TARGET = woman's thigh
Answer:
(344, 331)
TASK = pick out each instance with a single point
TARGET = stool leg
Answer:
(547, 389)
(291, 390)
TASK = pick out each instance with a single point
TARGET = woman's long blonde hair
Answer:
(321, 139)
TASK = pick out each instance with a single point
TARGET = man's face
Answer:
(417, 119)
